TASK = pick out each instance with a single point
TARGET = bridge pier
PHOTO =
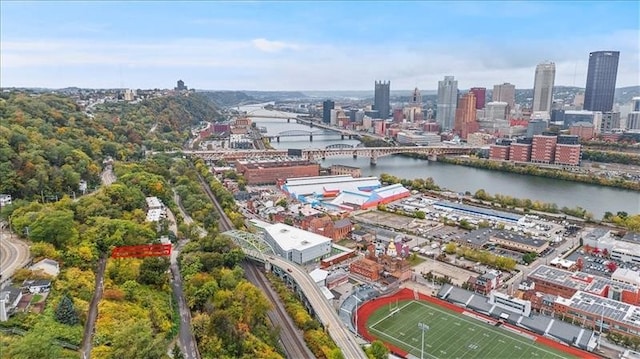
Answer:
(433, 158)
(355, 154)
(373, 161)
(342, 137)
(310, 138)
(288, 120)
(278, 139)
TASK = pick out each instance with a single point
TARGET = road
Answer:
(14, 253)
(288, 333)
(343, 338)
(187, 340)
(291, 338)
(89, 328)
(108, 177)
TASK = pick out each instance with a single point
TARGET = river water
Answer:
(593, 198)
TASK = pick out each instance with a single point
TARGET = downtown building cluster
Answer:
(481, 116)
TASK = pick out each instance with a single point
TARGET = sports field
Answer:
(450, 335)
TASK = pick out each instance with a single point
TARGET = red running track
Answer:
(368, 308)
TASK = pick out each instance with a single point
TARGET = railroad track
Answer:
(290, 336)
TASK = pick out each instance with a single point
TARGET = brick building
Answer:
(486, 282)
(269, 171)
(584, 130)
(355, 172)
(568, 151)
(327, 227)
(500, 150)
(367, 268)
(563, 283)
(520, 151)
(588, 310)
(543, 148)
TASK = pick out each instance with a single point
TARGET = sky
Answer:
(298, 45)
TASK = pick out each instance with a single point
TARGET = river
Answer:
(593, 198)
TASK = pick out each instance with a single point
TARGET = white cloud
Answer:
(272, 46)
(265, 64)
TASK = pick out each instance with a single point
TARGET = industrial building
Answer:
(595, 312)
(477, 212)
(559, 282)
(343, 191)
(270, 171)
(296, 245)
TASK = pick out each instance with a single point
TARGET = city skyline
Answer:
(310, 45)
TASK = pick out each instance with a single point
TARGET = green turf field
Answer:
(450, 335)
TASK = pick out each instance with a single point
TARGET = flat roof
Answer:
(478, 210)
(608, 308)
(515, 237)
(478, 237)
(290, 238)
(577, 280)
(627, 275)
(632, 237)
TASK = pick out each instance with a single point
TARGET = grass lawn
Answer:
(450, 335)
(36, 298)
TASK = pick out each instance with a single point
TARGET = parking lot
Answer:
(598, 264)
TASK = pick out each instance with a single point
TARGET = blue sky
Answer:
(310, 45)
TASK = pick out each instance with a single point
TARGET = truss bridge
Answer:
(336, 151)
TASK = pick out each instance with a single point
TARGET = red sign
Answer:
(143, 250)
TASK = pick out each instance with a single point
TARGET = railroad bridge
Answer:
(321, 153)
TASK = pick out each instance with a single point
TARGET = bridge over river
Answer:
(334, 151)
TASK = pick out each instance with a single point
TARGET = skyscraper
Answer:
(381, 99)
(543, 86)
(505, 93)
(327, 106)
(466, 115)
(447, 103)
(601, 80)
(481, 96)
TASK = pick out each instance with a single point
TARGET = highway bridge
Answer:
(321, 153)
(259, 250)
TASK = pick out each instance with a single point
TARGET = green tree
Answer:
(176, 353)
(450, 248)
(377, 350)
(54, 226)
(153, 270)
(136, 341)
(66, 311)
(35, 344)
(528, 258)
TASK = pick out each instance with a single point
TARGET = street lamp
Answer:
(423, 327)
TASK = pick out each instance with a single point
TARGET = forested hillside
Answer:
(48, 145)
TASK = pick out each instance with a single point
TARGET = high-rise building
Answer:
(481, 96)
(601, 80)
(381, 99)
(543, 86)
(447, 102)
(609, 121)
(578, 101)
(635, 104)
(413, 112)
(505, 93)
(180, 86)
(327, 106)
(466, 115)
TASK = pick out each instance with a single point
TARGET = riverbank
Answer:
(533, 170)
